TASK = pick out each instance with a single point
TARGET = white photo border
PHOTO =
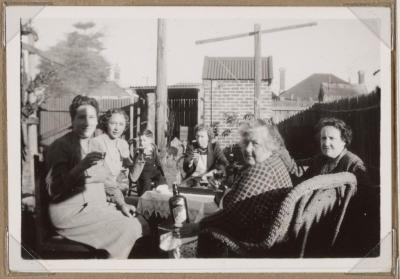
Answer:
(16, 263)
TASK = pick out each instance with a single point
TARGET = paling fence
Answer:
(55, 120)
(361, 113)
(182, 112)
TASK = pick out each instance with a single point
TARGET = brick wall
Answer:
(237, 96)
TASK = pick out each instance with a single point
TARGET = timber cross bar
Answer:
(257, 53)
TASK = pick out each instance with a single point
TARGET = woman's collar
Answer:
(336, 160)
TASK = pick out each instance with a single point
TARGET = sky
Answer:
(340, 45)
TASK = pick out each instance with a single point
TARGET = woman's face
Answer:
(146, 142)
(116, 125)
(85, 121)
(253, 146)
(202, 138)
(331, 141)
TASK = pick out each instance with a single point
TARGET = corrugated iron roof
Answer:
(109, 89)
(235, 68)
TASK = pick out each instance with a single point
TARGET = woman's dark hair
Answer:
(105, 118)
(203, 127)
(345, 130)
(81, 101)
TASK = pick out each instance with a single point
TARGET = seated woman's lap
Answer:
(100, 226)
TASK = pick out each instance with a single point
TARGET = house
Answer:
(315, 88)
(228, 87)
(335, 91)
(309, 88)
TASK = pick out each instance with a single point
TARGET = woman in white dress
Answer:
(75, 182)
(117, 159)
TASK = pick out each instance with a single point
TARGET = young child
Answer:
(147, 166)
(114, 123)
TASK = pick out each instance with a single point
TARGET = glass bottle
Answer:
(178, 207)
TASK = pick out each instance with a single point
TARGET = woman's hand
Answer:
(86, 163)
(128, 210)
(195, 156)
(90, 160)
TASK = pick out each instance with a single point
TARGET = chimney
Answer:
(361, 78)
(282, 72)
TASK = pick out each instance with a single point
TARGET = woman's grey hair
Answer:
(272, 140)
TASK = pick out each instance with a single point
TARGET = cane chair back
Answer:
(304, 206)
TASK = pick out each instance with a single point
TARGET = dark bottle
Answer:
(178, 207)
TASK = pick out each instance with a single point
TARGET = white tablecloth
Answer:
(199, 206)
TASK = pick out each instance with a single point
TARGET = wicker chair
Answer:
(303, 208)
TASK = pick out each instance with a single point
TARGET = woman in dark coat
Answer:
(335, 137)
(204, 158)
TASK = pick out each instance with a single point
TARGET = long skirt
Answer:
(98, 224)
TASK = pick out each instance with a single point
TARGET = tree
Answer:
(76, 64)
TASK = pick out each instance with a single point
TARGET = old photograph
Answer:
(201, 139)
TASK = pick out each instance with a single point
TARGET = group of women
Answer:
(85, 177)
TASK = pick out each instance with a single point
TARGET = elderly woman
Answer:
(259, 189)
(76, 173)
(204, 158)
(334, 138)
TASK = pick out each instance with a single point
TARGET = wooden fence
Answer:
(361, 113)
(182, 112)
(55, 120)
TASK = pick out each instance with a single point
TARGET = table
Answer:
(199, 206)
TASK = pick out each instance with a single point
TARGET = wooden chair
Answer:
(49, 244)
(318, 199)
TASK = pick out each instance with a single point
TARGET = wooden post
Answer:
(138, 116)
(131, 136)
(257, 70)
(162, 91)
(151, 112)
(200, 106)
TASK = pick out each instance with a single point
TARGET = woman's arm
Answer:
(188, 165)
(220, 160)
(123, 149)
(61, 179)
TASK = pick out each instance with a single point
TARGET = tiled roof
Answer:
(309, 88)
(235, 68)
